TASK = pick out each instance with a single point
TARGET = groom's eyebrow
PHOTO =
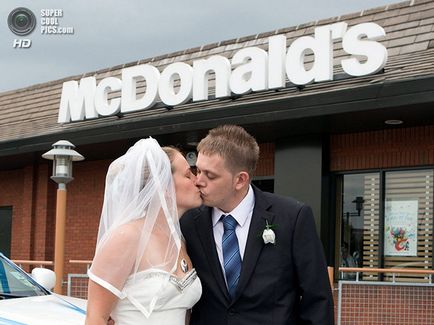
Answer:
(205, 170)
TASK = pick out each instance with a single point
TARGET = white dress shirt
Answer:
(243, 215)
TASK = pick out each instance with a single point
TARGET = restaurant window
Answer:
(386, 221)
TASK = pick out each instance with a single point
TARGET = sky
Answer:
(108, 33)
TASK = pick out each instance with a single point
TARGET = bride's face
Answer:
(187, 194)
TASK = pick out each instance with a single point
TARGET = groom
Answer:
(248, 278)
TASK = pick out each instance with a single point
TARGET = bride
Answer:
(141, 273)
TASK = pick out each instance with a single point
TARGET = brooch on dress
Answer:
(184, 265)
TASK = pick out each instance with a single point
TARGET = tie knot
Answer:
(229, 222)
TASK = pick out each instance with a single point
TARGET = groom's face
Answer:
(215, 181)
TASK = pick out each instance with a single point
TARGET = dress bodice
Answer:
(149, 299)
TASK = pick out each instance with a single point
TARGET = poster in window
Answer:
(400, 228)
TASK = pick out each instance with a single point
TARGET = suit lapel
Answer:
(254, 242)
(204, 230)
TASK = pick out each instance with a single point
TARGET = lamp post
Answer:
(62, 155)
(359, 201)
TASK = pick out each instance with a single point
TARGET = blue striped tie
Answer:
(231, 253)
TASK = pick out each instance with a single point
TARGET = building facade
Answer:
(358, 148)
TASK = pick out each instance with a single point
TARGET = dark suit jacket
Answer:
(282, 284)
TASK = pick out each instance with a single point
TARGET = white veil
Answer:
(139, 227)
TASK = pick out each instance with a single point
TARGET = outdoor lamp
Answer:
(62, 156)
(359, 204)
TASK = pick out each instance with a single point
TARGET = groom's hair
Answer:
(237, 147)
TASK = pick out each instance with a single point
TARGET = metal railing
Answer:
(359, 301)
(77, 282)
(20, 263)
(385, 302)
(82, 262)
(393, 271)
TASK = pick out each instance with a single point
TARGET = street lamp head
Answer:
(62, 155)
(359, 204)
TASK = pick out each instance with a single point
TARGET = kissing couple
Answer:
(208, 248)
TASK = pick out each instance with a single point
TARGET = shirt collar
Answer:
(241, 212)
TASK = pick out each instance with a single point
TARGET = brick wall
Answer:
(32, 195)
(84, 204)
(403, 147)
(42, 215)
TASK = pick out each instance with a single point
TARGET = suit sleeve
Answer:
(316, 304)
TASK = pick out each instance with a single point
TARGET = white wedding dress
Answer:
(137, 306)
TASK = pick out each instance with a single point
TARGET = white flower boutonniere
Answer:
(268, 234)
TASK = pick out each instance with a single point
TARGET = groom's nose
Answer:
(199, 180)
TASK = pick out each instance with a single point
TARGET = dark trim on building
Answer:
(312, 113)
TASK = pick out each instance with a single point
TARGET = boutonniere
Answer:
(268, 234)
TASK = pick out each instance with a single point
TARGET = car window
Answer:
(14, 283)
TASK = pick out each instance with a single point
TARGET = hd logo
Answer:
(21, 22)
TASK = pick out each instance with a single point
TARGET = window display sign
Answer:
(400, 228)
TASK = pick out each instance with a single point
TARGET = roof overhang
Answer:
(346, 110)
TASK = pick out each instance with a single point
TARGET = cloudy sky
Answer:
(108, 33)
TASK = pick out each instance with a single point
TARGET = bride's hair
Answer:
(171, 152)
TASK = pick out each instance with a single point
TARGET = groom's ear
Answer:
(242, 180)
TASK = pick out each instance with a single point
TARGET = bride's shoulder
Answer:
(126, 233)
